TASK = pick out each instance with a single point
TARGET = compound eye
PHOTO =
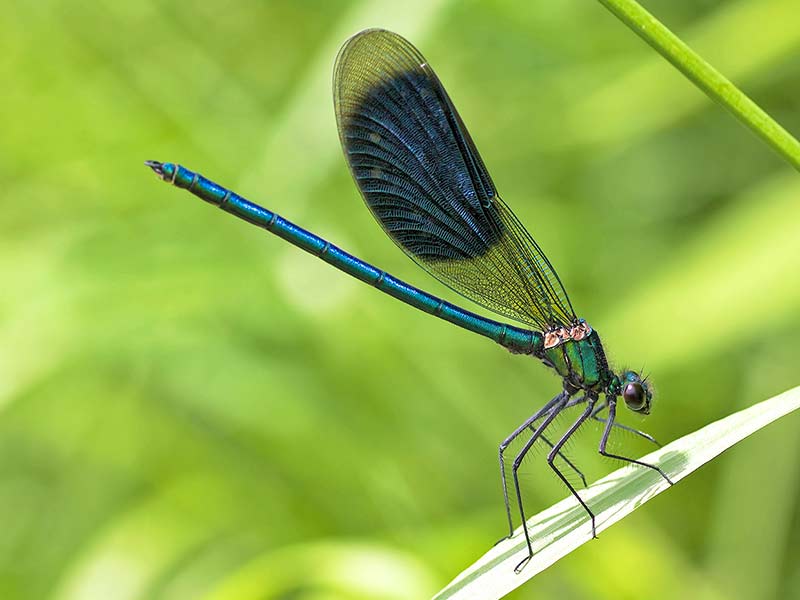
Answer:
(633, 394)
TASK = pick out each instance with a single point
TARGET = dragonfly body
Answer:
(581, 362)
(424, 181)
(516, 339)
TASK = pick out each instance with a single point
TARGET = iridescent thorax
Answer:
(577, 355)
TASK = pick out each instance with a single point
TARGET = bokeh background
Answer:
(190, 408)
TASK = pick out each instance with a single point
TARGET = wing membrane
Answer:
(424, 181)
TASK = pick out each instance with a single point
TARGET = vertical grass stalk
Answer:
(706, 77)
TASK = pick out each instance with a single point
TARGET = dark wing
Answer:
(421, 176)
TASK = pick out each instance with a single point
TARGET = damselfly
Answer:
(422, 178)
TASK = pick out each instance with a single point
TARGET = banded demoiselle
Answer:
(421, 176)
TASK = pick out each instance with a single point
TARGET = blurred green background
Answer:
(193, 409)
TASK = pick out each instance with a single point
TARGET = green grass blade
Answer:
(601, 116)
(563, 527)
(706, 77)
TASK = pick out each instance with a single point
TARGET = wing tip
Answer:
(374, 36)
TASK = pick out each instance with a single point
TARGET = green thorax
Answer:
(582, 362)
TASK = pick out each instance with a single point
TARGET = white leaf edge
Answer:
(560, 529)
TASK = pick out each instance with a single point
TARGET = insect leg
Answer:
(551, 457)
(612, 413)
(647, 436)
(571, 403)
(557, 408)
(537, 415)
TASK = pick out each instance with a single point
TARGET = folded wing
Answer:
(424, 181)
